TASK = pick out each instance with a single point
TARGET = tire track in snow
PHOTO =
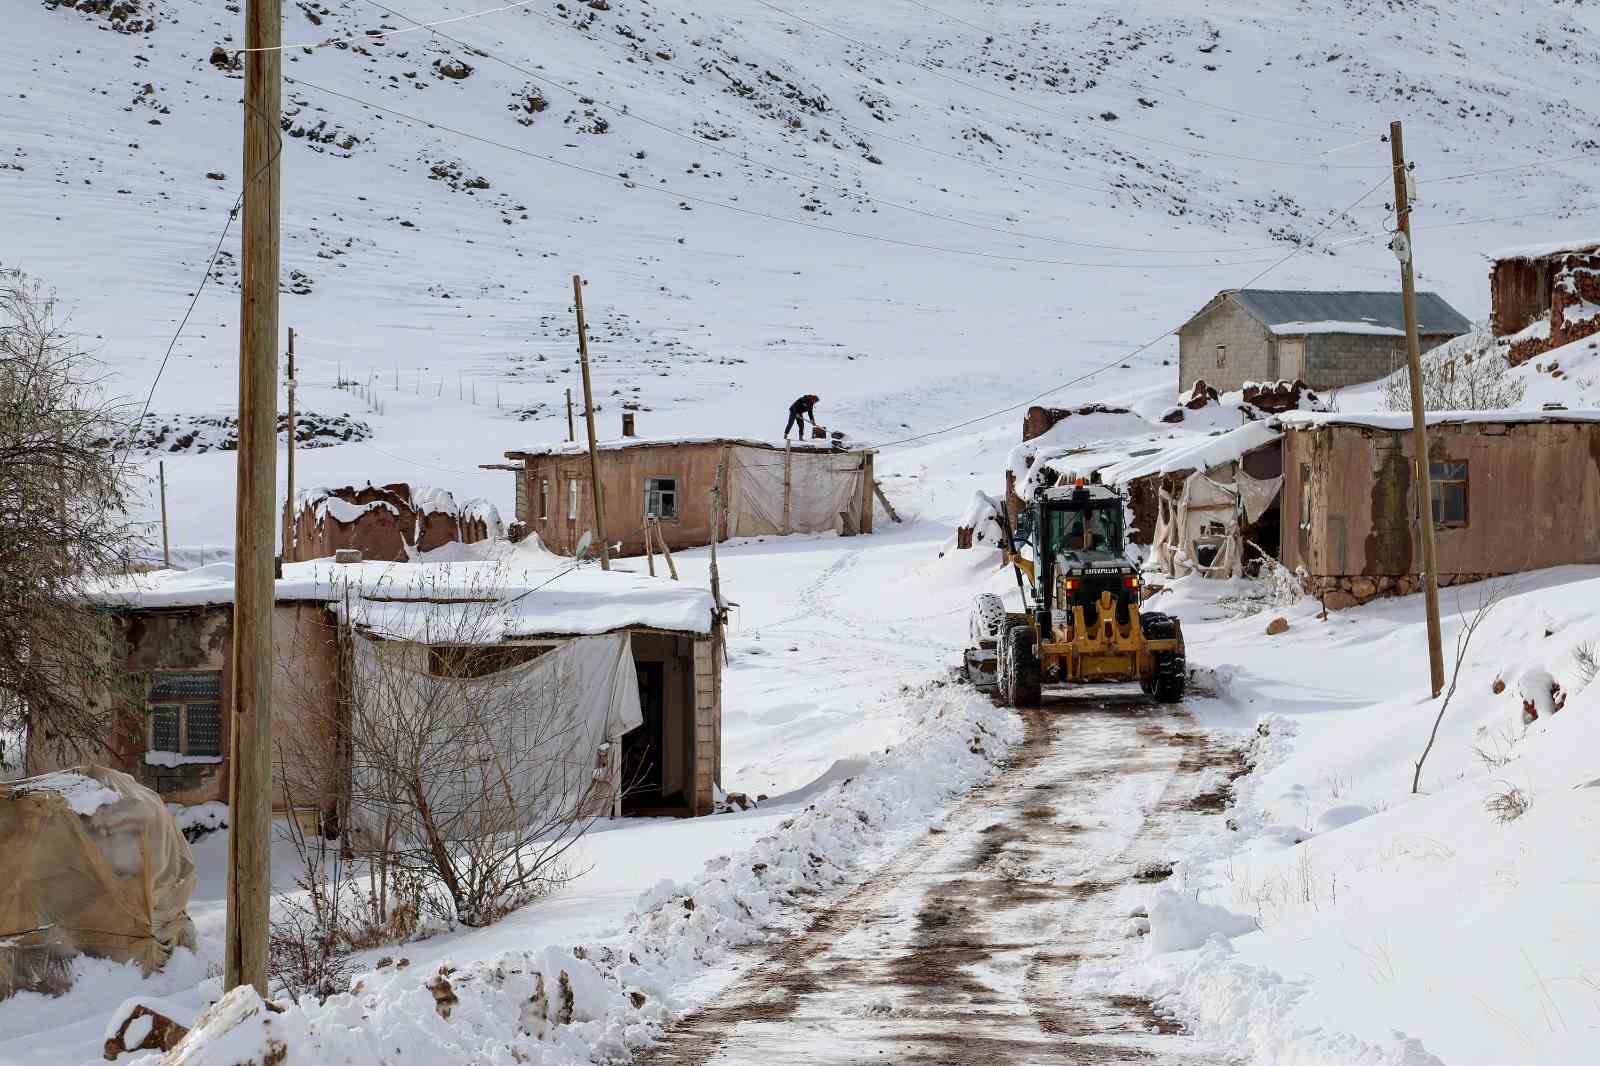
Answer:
(980, 942)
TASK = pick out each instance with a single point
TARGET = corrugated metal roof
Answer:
(1273, 306)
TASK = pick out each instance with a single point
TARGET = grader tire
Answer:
(1020, 682)
(1171, 678)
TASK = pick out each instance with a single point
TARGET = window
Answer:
(572, 499)
(1305, 495)
(544, 498)
(661, 497)
(1222, 356)
(1095, 529)
(185, 713)
(1449, 493)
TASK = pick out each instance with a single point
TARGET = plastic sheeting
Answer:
(1210, 511)
(523, 746)
(821, 485)
(94, 863)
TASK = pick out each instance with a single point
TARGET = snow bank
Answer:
(561, 1006)
(1179, 922)
(1295, 329)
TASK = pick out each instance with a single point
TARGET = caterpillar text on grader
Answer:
(1081, 620)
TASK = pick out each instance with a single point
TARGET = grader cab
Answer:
(1081, 620)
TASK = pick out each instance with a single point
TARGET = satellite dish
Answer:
(582, 551)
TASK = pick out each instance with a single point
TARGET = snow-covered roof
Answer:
(1401, 420)
(619, 444)
(536, 592)
(1202, 453)
(1355, 312)
(1548, 248)
(1295, 329)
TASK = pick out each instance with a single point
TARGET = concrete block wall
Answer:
(1334, 360)
(1249, 348)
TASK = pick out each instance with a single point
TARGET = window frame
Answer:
(1438, 486)
(181, 706)
(1305, 496)
(674, 491)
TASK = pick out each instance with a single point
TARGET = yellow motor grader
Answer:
(1081, 620)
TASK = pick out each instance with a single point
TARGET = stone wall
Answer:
(1342, 593)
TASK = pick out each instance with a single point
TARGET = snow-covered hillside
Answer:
(921, 212)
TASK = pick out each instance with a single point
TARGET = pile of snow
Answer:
(1389, 921)
(83, 794)
(575, 1004)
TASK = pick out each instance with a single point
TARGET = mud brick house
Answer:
(1511, 491)
(1325, 339)
(1544, 296)
(768, 490)
(638, 658)
(385, 522)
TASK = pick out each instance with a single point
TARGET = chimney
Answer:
(627, 424)
(347, 555)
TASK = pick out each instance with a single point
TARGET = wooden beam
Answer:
(887, 506)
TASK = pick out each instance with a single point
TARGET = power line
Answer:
(1506, 170)
(372, 35)
(1056, 114)
(700, 143)
(1145, 88)
(751, 212)
(194, 300)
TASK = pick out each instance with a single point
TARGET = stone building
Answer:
(170, 652)
(1512, 491)
(1325, 339)
(768, 490)
(1545, 296)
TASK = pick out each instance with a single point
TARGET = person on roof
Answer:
(798, 411)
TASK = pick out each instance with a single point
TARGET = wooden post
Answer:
(166, 544)
(788, 474)
(666, 552)
(649, 548)
(887, 506)
(716, 533)
(250, 744)
(588, 419)
(572, 429)
(866, 492)
(288, 502)
(1419, 419)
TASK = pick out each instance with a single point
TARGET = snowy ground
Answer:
(925, 214)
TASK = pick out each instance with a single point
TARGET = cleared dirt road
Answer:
(978, 943)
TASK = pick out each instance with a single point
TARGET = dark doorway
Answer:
(642, 748)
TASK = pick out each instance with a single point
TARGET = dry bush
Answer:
(1586, 661)
(1496, 749)
(1509, 804)
(1469, 373)
(470, 774)
(63, 523)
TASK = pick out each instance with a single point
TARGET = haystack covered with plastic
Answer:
(94, 864)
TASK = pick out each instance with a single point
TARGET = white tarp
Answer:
(821, 485)
(1210, 511)
(519, 747)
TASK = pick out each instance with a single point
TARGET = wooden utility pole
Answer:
(1419, 420)
(788, 488)
(588, 418)
(866, 492)
(250, 743)
(572, 428)
(289, 515)
(166, 543)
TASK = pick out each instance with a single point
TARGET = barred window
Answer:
(185, 713)
(661, 497)
(1449, 484)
